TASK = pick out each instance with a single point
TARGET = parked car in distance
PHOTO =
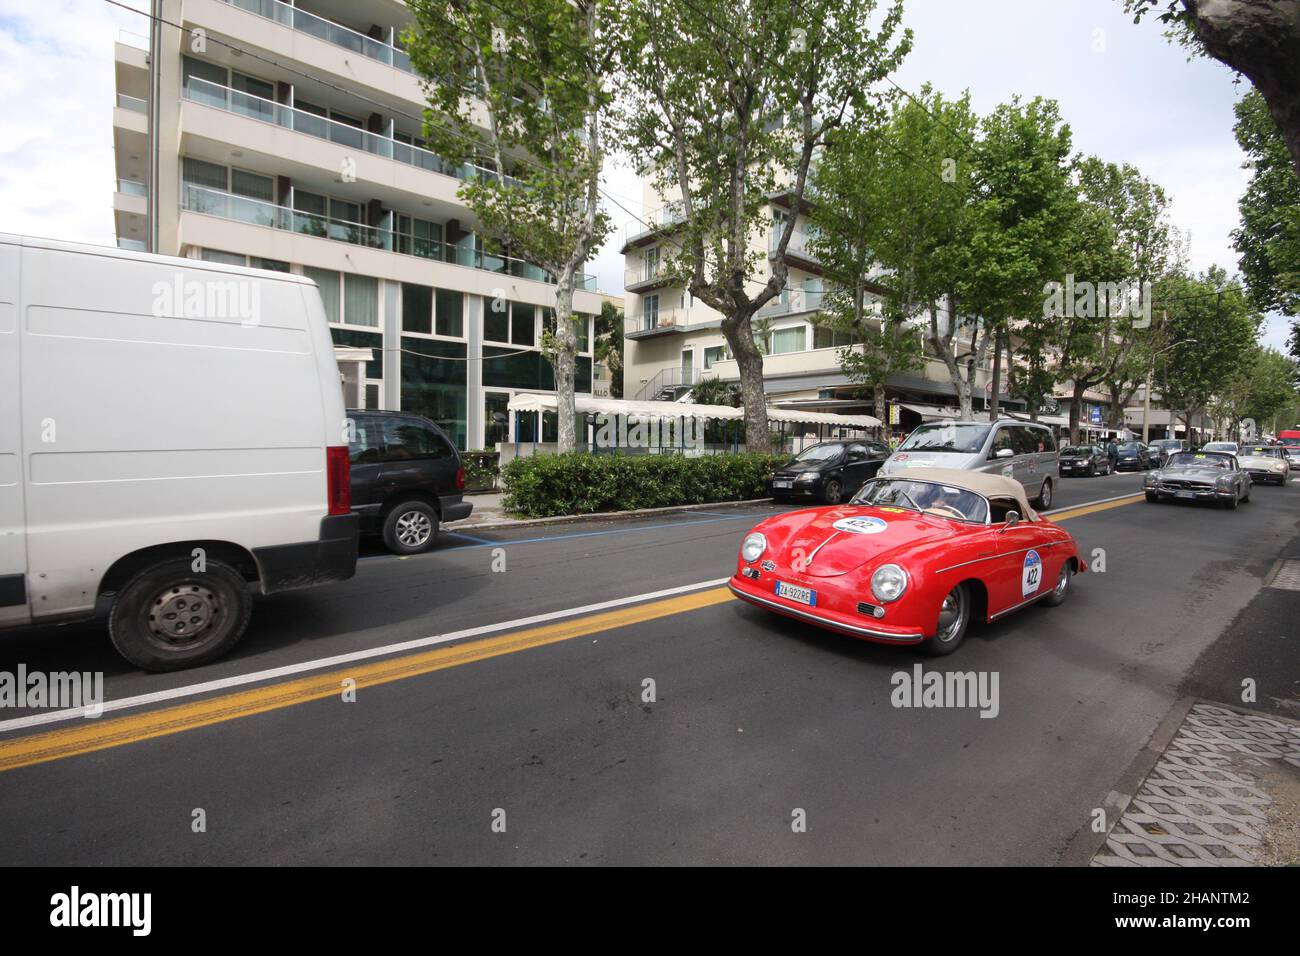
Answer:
(1133, 456)
(407, 478)
(171, 442)
(912, 559)
(1264, 463)
(1231, 447)
(1025, 451)
(1084, 460)
(1167, 447)
(828, 471)
(1199, 476)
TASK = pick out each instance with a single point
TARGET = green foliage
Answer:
(1269, 236)
(572, 484)
(609, 345)
(481, 469)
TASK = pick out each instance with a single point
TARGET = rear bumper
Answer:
(455, 509)
(332, 557)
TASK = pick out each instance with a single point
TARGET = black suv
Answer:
(407, 478)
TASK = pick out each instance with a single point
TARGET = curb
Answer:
(596, 516)
(1085, 843)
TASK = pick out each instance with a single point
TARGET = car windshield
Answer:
(945, 501)
(965, 437)
(1130, 448)
(1262, 451)
(1075, 451)
(1200, 459)
(824, 452)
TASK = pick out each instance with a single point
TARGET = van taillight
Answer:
(460, 479)
(338, 477)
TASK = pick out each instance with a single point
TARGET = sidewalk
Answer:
(489, 513)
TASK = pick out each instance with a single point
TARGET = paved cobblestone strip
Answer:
(1199, 806)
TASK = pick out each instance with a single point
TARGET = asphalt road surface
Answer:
(513, 727)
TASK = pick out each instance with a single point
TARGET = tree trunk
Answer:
(1076, 412)
(566, 349)
(749, 362)
(881, 412)
(995, 403)
(1261, 39)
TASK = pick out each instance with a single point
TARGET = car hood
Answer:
(864, 535)
(902, 460)
(1194, 473)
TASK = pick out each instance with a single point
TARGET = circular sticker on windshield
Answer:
(860, 525)
(1031, 575)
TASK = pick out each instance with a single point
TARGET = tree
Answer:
(726, 104)
(1215, 317)
(1269, 236)
(1258, 38)
(851, 205)
(1260, 387)
(609, 345)
(1020, 232)
(538, 90)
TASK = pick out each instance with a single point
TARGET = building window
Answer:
(451, 313)
(714, 353)
(496, 320)
(417, 308)
(228, 258)
(523, 324)
(360, 300)
(275, 265)
(252, 185)
(650, 311)
(328, 283)
(197, 172)
(824, 338)
(789, 340)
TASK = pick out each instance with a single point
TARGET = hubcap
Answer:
(1047, 495)
(1063, 582)
(951, 615)
(833, 492)
(413, 528)
(183, 613)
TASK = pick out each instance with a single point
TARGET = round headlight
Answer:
(889, 582)
(1280, 466)
(753, 547)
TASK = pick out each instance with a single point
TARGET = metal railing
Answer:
(644, 272)
(658, 219)
(669, 384)
(207, 93)
(127, 38)
(798, 300)
(133, 103)
(130, 187)
(303, 22)
(800, 243)
(658, 319)
(258, 212)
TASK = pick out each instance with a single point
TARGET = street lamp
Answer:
(1146, 398)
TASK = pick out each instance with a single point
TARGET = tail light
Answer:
(338, 477)
(460, 479)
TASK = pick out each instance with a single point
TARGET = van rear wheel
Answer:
(411, 527)
(1044, 500)
(169, 616)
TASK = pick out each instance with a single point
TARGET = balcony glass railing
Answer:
(132, 245)
(130, 187)
(642, 272)
(800, 242)
(659, 219)
(127, 38)
(257, 212)
(658, 319)
(310, 124)
(327, 30)
(133, 103)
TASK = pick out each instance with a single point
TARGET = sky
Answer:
(1128, 94)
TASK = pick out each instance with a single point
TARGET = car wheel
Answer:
(411, 527)
(832, 491)
(1154, 499)
(954, 617)
(169, 616)
(1231, 504)
(1044, 500)
(1092, 470)
(1062, 589)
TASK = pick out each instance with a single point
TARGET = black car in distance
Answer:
(1084, 460)
(1133, 456)
(407, 478)
(829, 472)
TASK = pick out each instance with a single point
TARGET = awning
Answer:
(590, 405)
(931, 413)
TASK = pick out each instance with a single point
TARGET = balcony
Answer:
(799, 246)
(661, 218)
(233, 101)
(793, 303)
(327, 30)
(257, 212)
(129, 187)
(646, 275)
(132, 103)
(646, 325)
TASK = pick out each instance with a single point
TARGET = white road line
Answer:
(239, 680)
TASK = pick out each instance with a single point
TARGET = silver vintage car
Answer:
(1025, 451)
(1199, 476)
(1264, 463)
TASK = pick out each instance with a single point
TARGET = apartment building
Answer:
(286, 135)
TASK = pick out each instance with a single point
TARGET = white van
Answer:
(172, 440)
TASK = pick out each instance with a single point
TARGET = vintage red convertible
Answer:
(910, 560)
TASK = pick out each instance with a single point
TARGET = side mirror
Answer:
(1004, 453)
(1013, 519)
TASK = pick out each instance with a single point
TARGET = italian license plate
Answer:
(793, 592)
(782, 484)
(1184, 494)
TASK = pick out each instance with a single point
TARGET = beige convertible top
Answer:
(980, 482)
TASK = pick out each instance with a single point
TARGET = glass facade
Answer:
(433, 384)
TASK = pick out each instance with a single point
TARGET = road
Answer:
(541, 725)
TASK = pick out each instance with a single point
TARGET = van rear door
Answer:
(14, 608)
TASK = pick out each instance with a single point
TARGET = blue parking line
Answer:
(470, 537)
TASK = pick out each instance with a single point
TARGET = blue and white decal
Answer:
(1031, 574)
(860, 525)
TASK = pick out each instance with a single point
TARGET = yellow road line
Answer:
(100, 735)
(1092, 509)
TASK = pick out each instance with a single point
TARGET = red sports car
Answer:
(911, 559)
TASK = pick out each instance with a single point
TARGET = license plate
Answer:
(793, 592)
(1184, 494)
(782, 484)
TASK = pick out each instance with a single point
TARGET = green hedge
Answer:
(579, 483)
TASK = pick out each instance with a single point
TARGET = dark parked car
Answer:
(407, 478)
(831, 471)
(1133, 456)
(1167, 446)
(1086, 460)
